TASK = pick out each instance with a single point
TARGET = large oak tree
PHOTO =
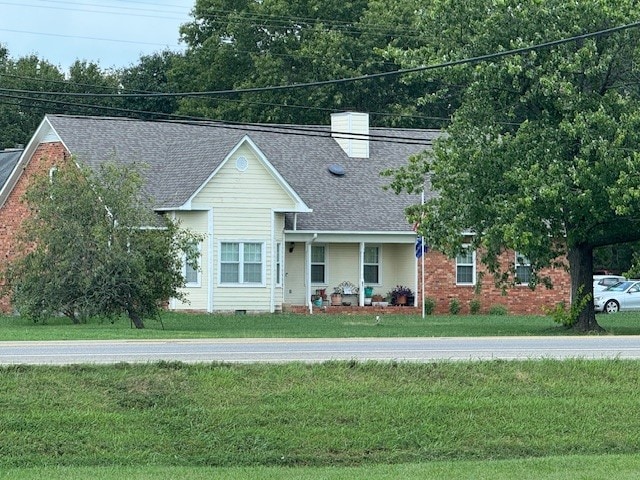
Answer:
(543, 153)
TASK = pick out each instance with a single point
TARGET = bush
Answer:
(498, 309)
(474, 306)
(429, 305)
(454, 306)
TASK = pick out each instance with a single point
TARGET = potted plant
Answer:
(336, 296)
(400, 294)
(368, 292)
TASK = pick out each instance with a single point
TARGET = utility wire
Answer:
(231, 100)
(249, 127)
(471, 60)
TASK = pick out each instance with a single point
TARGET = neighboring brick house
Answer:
(286, 211)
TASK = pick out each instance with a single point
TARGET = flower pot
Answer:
(367, 301)
(336, 299)
(401, 300)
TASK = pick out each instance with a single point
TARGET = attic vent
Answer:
(242, 164)
(336, 169)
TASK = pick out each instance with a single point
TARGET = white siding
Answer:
(198, 296)
(243, 203)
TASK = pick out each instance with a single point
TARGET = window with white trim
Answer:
(318, 264)
(466, 267)
(190, 266)
(523, 269)
(241, 262)
(371, 265)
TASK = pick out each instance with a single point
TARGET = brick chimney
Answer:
(351, 131)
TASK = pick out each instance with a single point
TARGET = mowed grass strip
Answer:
(574, 467)
(190, 325)
(338, 414)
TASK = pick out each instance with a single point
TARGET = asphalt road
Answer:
(319, 350)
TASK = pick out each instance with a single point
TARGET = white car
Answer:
(621, 296)
(600, 282)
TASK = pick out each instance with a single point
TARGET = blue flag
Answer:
(420, 248)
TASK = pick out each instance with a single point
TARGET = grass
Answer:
(576, 467)
(339, 420)
(182, 325)
(321, 421)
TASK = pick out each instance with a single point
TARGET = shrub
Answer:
(429, 305)
(454, 306)
(474, 306)
(498, 309)
(568, 316)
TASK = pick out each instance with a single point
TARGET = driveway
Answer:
(320, 350)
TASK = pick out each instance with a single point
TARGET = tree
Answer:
(245, 44)
(542, 155)
(92, 247)
(20, 114)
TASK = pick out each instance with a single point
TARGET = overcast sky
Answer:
(112, 33)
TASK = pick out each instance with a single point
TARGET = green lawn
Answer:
(545, 419)
(337, 420)
(181, 325)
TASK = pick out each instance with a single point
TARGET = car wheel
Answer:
(611, 306)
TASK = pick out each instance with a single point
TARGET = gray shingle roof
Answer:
(8, 161)
(180, 158)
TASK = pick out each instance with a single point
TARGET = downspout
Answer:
(308, 268)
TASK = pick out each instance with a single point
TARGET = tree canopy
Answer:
(542, 155)
(92, 247)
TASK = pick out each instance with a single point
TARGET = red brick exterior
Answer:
(14, 211)
(440, 285)
(440, 271)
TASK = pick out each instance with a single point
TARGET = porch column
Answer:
(361, 276)
(307, 274)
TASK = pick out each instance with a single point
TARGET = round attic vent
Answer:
(242, 164)
(336, 169)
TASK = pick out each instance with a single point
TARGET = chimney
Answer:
(351, 131)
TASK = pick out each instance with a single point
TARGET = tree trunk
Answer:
(135, 318)
(581, 269)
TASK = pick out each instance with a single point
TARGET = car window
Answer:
(619, 287)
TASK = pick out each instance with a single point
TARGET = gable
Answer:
(246, 176)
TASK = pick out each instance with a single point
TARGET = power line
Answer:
(60, 35)
(229, 100)
(249, 127)
(453, 63)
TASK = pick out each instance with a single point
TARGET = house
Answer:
(287, 212)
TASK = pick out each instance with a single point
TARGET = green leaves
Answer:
(93, 247)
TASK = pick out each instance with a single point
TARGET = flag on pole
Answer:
(420, 247)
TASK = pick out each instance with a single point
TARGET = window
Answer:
(318, 266)
(523, 269)
(241, 262)
(466, 267)
(371, 265)
(278, 263)
(190, 269)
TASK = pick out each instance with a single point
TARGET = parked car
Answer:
(600, 282)
(621, 296)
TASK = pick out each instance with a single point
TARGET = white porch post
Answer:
(307, 271)
(361, 276)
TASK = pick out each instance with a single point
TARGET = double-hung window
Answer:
(466, 267)
(241, 262)
(318, 264)
(523, 269)
(371, 265)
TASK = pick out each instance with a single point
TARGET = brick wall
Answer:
(440, 285)
(14, 211)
